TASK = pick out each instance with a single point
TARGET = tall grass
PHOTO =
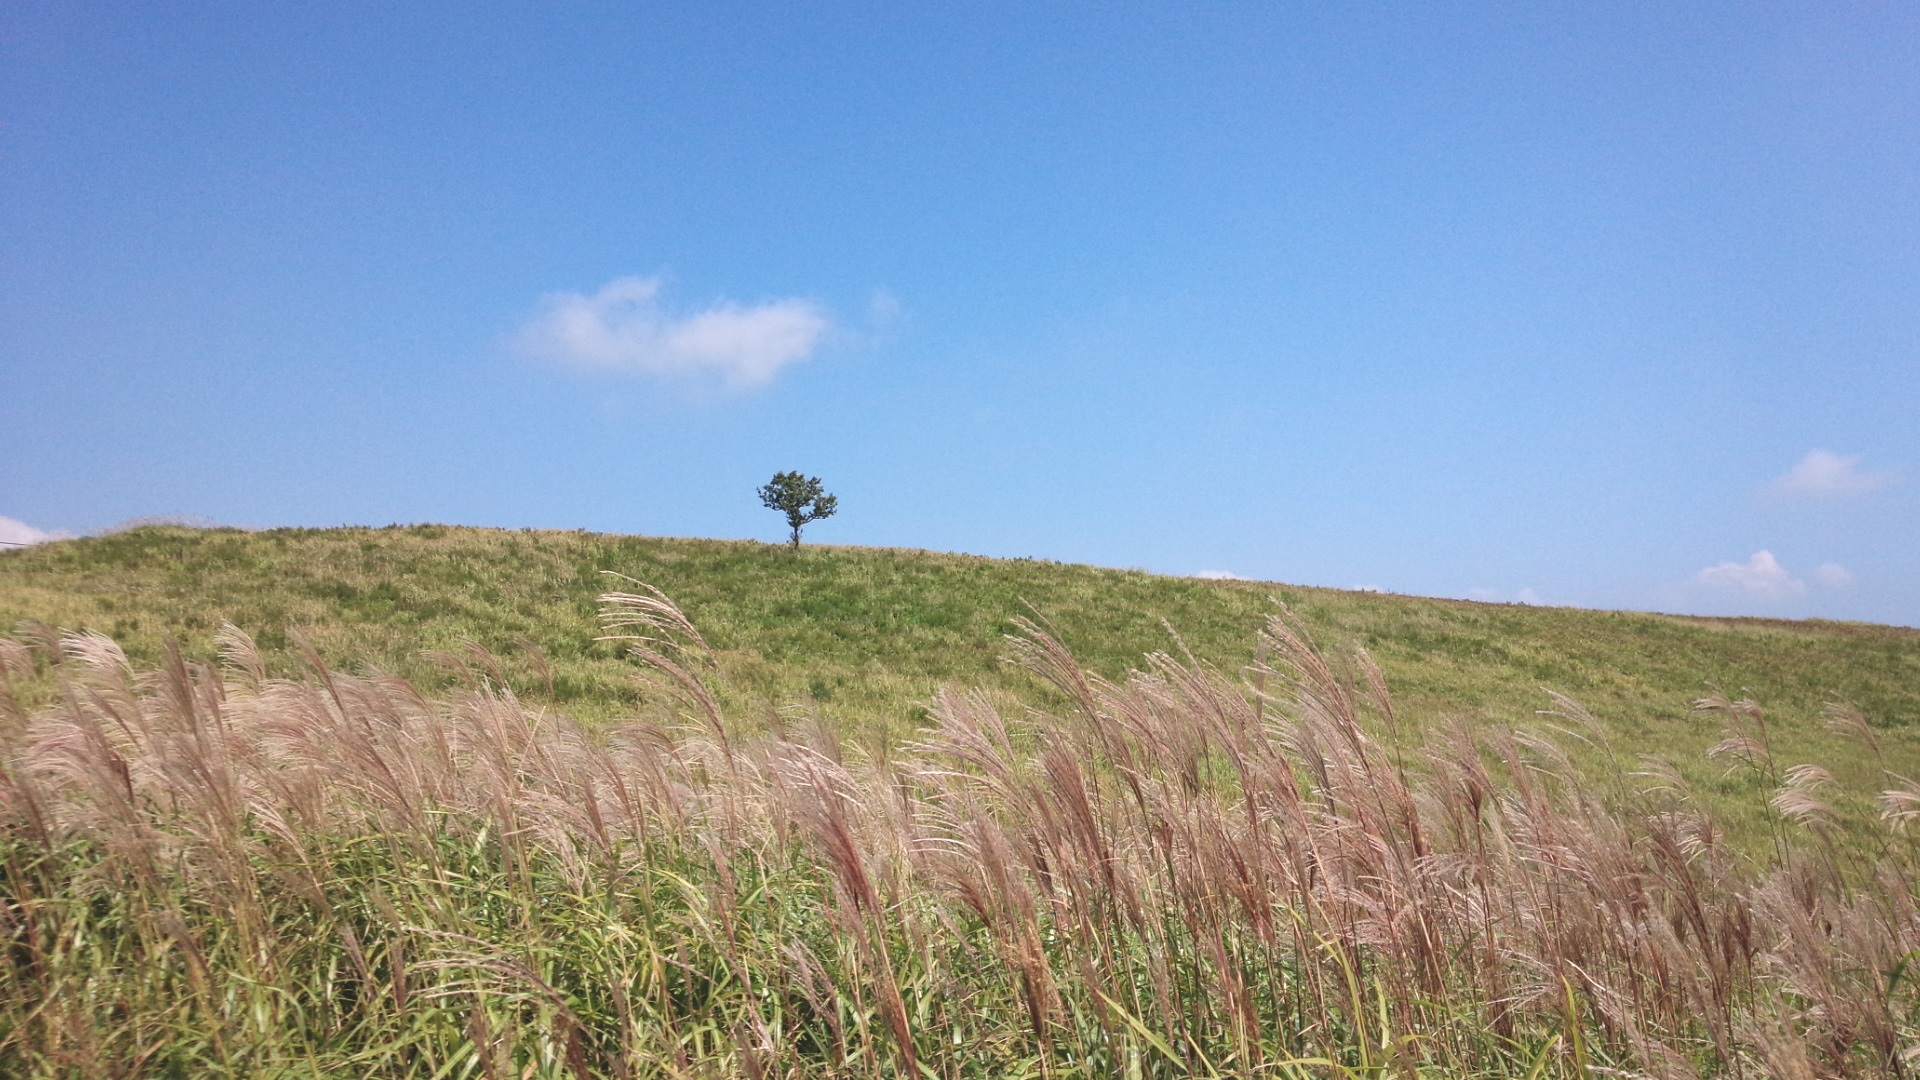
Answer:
(207, 871)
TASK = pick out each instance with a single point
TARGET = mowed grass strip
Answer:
(862, 637)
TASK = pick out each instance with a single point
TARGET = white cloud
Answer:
(1219, 575)
(1762, 576)
(623, 328)
(1366, 588)
(1528, 596)
(1823, 474)
(1833, 576)
(20, 534)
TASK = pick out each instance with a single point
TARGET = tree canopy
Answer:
(800, 498)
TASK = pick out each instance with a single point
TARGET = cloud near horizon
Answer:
(14, 533)
(1833, 576)
(1762, 576)
(624, 329)
(1823, 474)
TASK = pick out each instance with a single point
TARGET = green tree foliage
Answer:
(801, 498)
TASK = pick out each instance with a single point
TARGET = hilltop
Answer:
(861, 636)
(330, 873)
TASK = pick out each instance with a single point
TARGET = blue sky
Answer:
(1603, 304)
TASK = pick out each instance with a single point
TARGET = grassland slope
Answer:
(862, 636)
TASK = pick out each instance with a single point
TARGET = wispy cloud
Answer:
(20, 534)
(1761, 576)
(623, 328)
(1833, 576)
(1218, 575)
(1823, 474)
(884, 314)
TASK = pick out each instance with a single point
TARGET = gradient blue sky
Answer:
(1604, 304)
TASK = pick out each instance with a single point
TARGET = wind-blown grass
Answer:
(862, 638)
(209, 870)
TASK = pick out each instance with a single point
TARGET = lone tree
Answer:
(800, 498)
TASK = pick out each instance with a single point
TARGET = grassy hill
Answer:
(860, 636)
(339, 875)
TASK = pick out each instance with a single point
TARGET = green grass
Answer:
(205, 874)
(863, 636)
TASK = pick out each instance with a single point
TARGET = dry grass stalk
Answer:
(1186, 875)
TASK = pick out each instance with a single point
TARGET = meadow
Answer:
(862, 638)
(440, 802)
